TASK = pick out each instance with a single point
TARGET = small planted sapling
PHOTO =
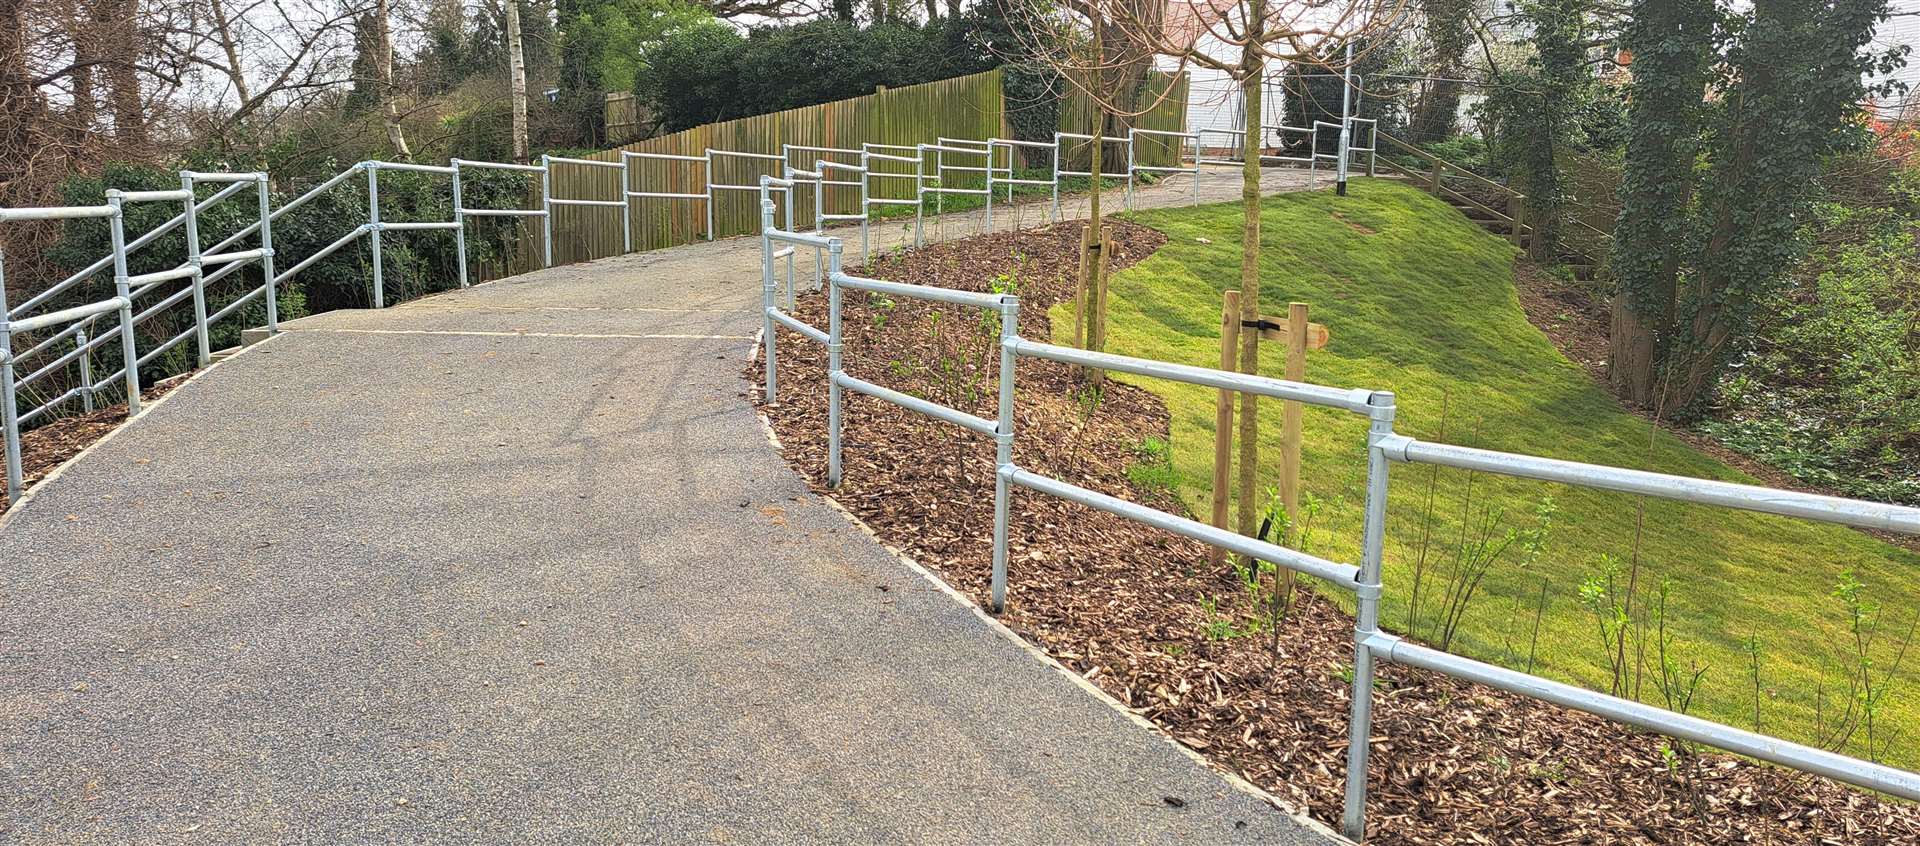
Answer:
(1602, 595)
(1482, 545)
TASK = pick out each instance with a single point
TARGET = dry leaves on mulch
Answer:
(1129, 607)
(47, 447)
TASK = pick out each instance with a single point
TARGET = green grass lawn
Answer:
(1421, 302)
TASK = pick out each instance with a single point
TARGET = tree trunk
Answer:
(389, 107)
(1671, 42)
(119, 41)
(1252, 82)
(224, 29)
(1436, 114)
(517, 72)
(84, 112)
(933, 10)
(1634, 351)
(1095, 283)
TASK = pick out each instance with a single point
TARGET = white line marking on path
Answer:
(488, 334)
(645, 309)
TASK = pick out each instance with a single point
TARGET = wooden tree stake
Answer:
(1290, 425)
(1223, 421)
(1080, 288)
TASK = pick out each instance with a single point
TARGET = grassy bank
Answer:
(1421, 302)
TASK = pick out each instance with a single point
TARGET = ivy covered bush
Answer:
(1830, 389)
(710, 72)
(414, 263)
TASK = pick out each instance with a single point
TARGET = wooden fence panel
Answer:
(964, 107)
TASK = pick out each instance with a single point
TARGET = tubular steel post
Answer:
(626, 208)
(1003, 447)
(786, 201)
(1346, 123)
(546, 206)
(1056, 177)
(1367, 615)
(203, 346)
(129, 350)
(766, 293)
(1196, 169)
(706, 167)
(866, 211)
(9, 411)
(86, 366)
(819, 218)
(266, 255)
(788, 211)
(460, 220)
(833, 363)
(373, 234)
(919, 197)
(990, 189)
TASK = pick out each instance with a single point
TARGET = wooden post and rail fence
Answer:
(1514, 219)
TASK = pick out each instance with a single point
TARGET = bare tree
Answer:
(389, 105)
(1238, 38)
(270, 56)
(1081, 41)
(517, 69)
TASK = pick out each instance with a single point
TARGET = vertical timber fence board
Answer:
(964, 107)
(968, 106)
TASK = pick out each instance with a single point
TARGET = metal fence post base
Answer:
(1353, 822)
(9, 412)
(766, 295)
(267, 272)
(129, 346)
(1003, 449)
(460, 220)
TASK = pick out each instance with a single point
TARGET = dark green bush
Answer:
(1830, 390)
(709, 73)
(414, 263)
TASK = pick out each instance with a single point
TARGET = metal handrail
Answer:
(1384, 448)
(206, 265)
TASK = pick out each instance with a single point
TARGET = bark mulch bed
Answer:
(44, 449)
(1140, 612)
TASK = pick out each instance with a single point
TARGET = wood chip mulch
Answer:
(44, 449)
(1130, 607)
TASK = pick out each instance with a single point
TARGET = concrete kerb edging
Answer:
(994, 625)
(146, 408)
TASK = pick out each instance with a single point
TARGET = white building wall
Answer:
(1214, 100)
(1894, 31)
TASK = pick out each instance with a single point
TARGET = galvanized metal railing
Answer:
(1384, 448)
(877, 164)
(1134, 168)
(203, 266)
